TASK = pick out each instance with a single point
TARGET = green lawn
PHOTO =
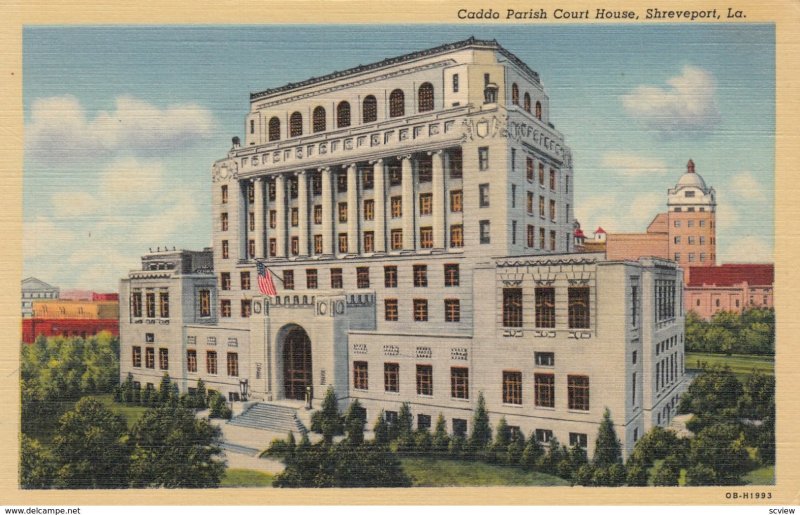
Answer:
(432, 472)
(761, 476)
(741, 365)
(131, 412)
(244, 478)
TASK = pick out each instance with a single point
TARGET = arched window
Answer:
(538, 110)
(397, 103)
(370, 111)
(295, 124)
(319, 119)
(527, 100)
(343, 114)
(274, 128)
(515, 94)
(425, 97)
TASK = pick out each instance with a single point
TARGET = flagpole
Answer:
(273, 274)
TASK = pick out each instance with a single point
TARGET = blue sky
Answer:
(122, 124)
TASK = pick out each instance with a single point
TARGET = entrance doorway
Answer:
(296, 364)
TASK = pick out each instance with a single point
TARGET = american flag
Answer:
(265, 284)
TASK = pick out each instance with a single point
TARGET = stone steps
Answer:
(270, 417)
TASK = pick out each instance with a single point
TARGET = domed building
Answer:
(691, 209)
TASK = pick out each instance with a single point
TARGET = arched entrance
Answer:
(296, 364)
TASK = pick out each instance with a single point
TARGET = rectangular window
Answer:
(691, 240)
(485, 233)
(423, 422)
(460, 427)
(397, 207)
(246, 308)
(483, 158)
(205, 303)
(233, 364)
(544, 435)
(452, 310)
(295, 245)
(252, 221)
(544, 359)
(150, 304)
(529, 169)
(483, 195)
(541, 206)
(395, 175)
(224, 194)
(211, 362)
(456, 236)
(360, 375)
(362, 277)
(224, 221)
(251, 248)
(425, 204)
(163, 304)
(271, 190)
(512, 307)
(578, 440)
(390, 310)
(512, 387)
(544, 388)
(336, 278)
(702, 240)
(426, 237)
(273, 247)
(367, 180)
(391, 377)
(225, 253)
(420, 310)
(317, 215)
(633, 389)
(702, 224)
(295, 216)
(634, 307)
(244, 280)
(311, 278)
(288, 279)
(513, 159)
(251, 194)
(542, 244)
(317, 244)
(136, 304)
(424, 380)
(578, 392)
(545, 307)
(459, 382)
(397, 239)
(191, 360)
(424, 168)
(163, 359)
(137, 357)
(552, 180)
(342, 212)
(529, 204)
(390, 276)
(451, 274)
(343, 243)
(513, 232)
(456, 164)
(369, 209)
(369, 241)
(541, 175)
(225, 308)
(578, 307)
(341, 182)
(421, 276)
(455, 83)
(531, 236)
(316, 184)
(552, 210)
(149, 357)
(456, 201)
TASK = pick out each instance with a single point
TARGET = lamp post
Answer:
(243, 389)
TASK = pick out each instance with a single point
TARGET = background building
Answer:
(60, 317)
(35, 289)
(729, 287)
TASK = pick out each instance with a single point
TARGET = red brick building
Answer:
(729, 287)
(82, 318)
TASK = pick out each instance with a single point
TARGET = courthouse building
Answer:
(417, 215)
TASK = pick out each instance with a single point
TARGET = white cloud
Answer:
(747, 249)
(42, 235)
(629, 164)
(60, 129)
(619, 212)
(747, 187)
(687, 103)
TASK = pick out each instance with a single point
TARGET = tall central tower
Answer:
(692, 207)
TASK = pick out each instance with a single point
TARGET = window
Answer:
(689, 223)
(343, 114)
(225, 307)
(455, 83)
(370, 109)
(420, 310)
(545, 307)
(483, 195)
(295, 216)
(390, 276)
(317, 214)
(367, 179)
(676, 223)
(425, 97)
(456, 164)
(211, 362)
(395, 174)
(552, 180)
(341, 182)
(163, 359)
(538, 110)
(529, 169)
(456, 201)
(149, 357)
(360, 375)
(274, 129)
(369, 209)
(233, 364)
(456, 236)
(273, 247)
(423, 422)
(251, 194)
(702, 257)
(689, 194)
(397, 103)
(545, 359)
(527, 102)
(578, 440)
(541, 175)
(224, 221)
(544, 435)
(677, 256)
(318, 117)
(424, 380)
(578, 392)
(633, 357)
(452, 310)
(163, 304)
(317, 244)
(425, 204)
(513, 232)
(451, 275)
(483, 158)
(421, 276)
(271, 191)
(702, 223)
(137, 357)
(336, 278)
(391, 377)
(397, 207)
(459, 383)
(390, 310)
(246, 308)
(343, 242)
(225, 253)
(677, 240)
(541, 238)
(369, 241)
(531, 236)
(485, 232)
(541, 208)
(316, 184)
(295, 125)
(691, 257)
(513, 159)
(515, 94)
(150, 305)
(512, 307)
(244, 280)
(691, 240)
(633, 389)
(362, 277)
(552, 240)
(205, 303)
(529, 205)
(252, 221)
(191, 360)
(544, 389)
(459, 427)
(426, 237)
(273, 219)
(397, 239)
(342, 212)
(311, 278)
(512, 387)
(136, 304)
(251, 248)
(288, 279)
(578, 307)
(224, 191)
(552, 210)
(702, 240)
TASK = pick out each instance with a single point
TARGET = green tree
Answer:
(637, 474)
(381, 430)
(515, 449)
(499, 448)
(173, 449)
(91, 448)
(328, 420)
(721, 449)
(667, 472)
(532, 454)
(481, 430)
(758, 399)
(37, 467)
(607, 449)
(218, 406)
(441, 440)
(200, 395)
(713, 391)
(354, 423)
